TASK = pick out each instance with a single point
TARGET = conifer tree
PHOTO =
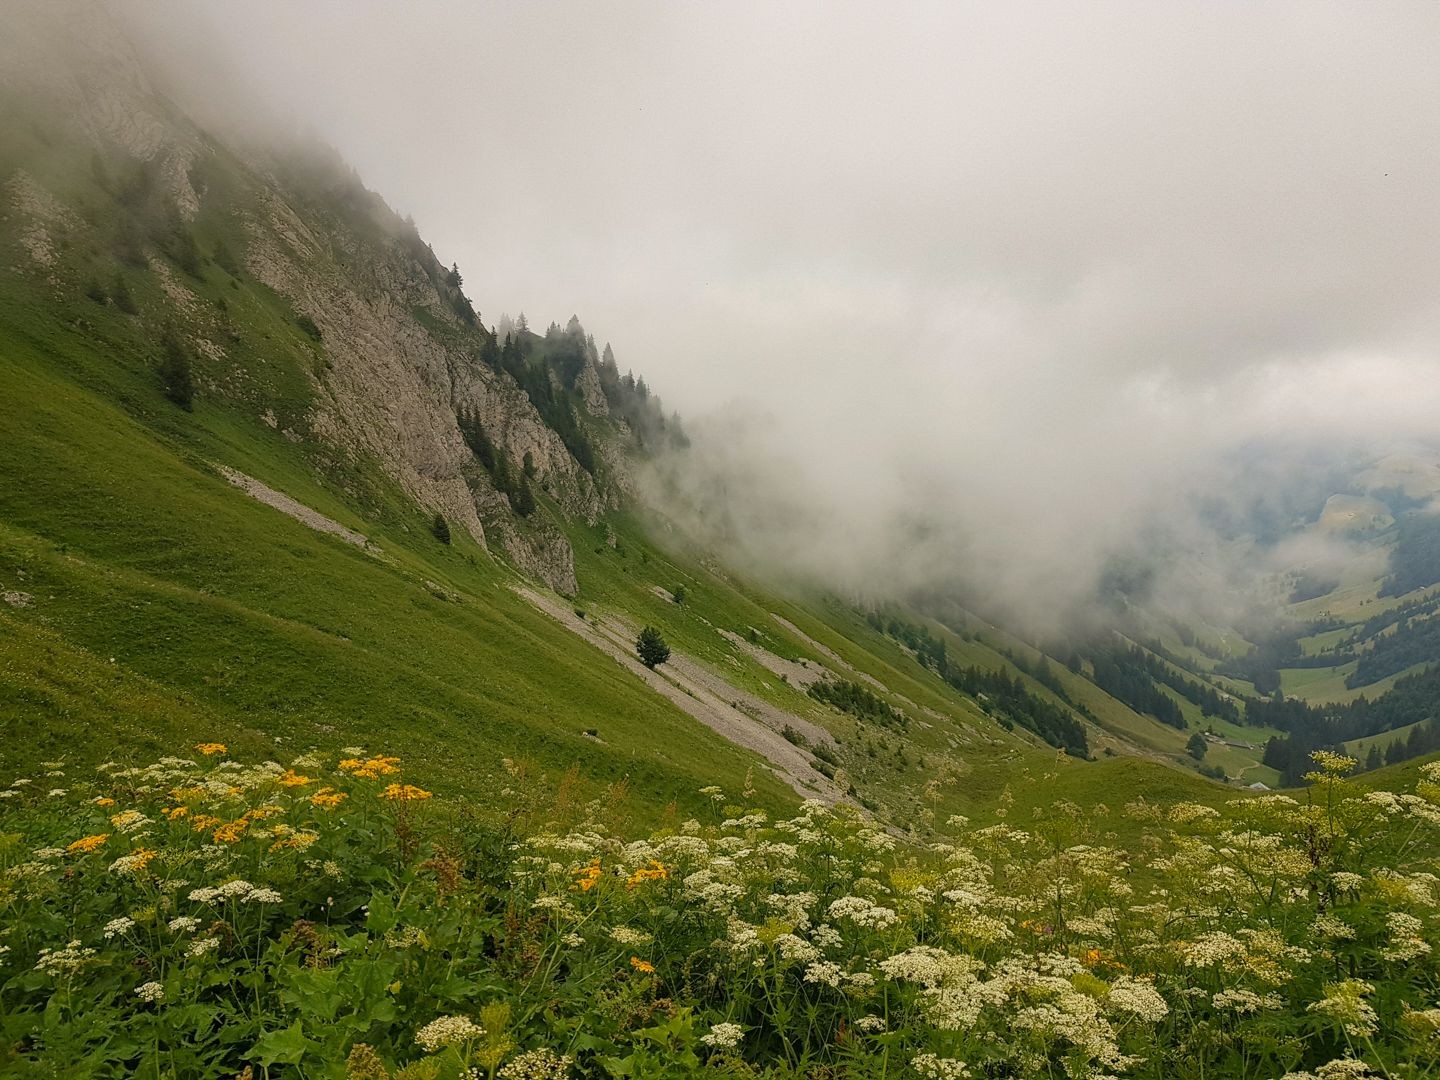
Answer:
(651, 647)
(175, 373)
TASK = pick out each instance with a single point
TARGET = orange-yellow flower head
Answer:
(642, 966)
(586, 879)
(231, 832)
(656, 871)
(89, 843)
(293, 779)
(327, 798)
(403, 793)
(210, 749)
(371, 768)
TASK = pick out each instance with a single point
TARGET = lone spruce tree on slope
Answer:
(651, 647)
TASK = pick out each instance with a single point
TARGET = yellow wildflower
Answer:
(89, 843)
(403, 792)
(586, 879)
(175, 813)
(232, 832)
(642, 966)
(260, 813)
(204, 822)
(211, 748)
(656, 871)
(104, 800)
(294, 779)
(299, 841)
(327, 798)
(371, 768)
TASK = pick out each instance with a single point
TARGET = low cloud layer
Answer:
(994, 286)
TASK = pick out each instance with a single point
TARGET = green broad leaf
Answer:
(619, 1066)
(285, 1047)
(381, 916)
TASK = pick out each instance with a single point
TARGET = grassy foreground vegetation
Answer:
(329, 918)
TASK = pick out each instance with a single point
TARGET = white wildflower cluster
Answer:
(861, 912)
(682, 849)
(705, 889)
(70, 960)
(825, 973)
(1213, 949)
(932, 1067)
(793, 949)
(152, 993)
(447, 1031)
(183, 924)
(1346, 882)
(1137, 998)
(238, 890)
(1240, 1000)
(1344, 1003)
(929, 967)
(541, 1064)
(117, 927)
(724, 1036)
(200, 946)
(1346, 1068)
(130, 821)
(1329, 926)
(252, 777)
(1406, 942)
(629, 937)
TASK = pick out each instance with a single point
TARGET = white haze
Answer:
(971, 286)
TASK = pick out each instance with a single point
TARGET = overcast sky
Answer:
(957, 250)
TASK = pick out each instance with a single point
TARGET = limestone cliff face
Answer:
(588, 386)
(400, 360)
(393, 390)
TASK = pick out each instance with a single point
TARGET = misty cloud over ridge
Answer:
(1005, 285)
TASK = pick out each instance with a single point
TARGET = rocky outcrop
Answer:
(587, 384)
(540, 551)
(397, 359)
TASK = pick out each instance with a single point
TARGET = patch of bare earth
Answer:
(829, 653)
(802, 674)
(297, 510)
(727, 710)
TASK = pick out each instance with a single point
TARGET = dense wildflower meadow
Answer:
(205, 917)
